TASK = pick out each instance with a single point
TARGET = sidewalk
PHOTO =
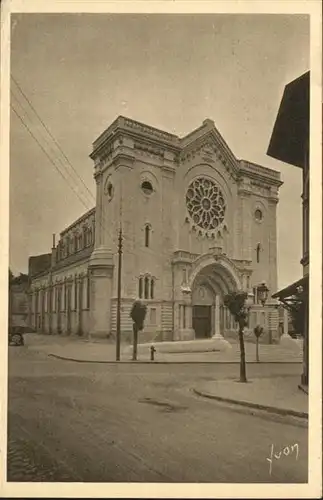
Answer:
(276, 395)
(81, 350)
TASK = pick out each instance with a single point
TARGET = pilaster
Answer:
(101, 268)
(272, 229)
(99, 207)
(184, 330)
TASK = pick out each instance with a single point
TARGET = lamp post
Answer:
(262, 295)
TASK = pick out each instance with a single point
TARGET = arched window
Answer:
(258, 249)
(146, 287)
(67, 246)
(140, 288)
(152, 288)
(79, 243)
(258, 215)
(147, 235)
(85, 236)
(89, 242)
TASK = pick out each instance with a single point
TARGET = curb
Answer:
(103, 362)
(269, 409)
(304, 389)
(156, 362)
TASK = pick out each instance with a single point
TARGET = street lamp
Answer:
(262, 292)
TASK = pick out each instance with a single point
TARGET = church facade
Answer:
(196, 223)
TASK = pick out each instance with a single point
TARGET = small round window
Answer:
(147, 187)
(108, 189)
(258, 215)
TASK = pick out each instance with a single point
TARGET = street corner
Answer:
(279, 395)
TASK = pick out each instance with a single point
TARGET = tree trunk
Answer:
(135, 342)
(243, 376)
(257, 349)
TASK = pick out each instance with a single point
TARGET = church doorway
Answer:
(202, 323)
(202, 309)
(209, 282)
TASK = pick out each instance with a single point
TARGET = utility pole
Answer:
(119, 295)
(118, 338)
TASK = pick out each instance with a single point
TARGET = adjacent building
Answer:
(196, 223)
(290, 144)
(18, 300)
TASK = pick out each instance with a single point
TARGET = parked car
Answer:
(17, 330)
(16, 336)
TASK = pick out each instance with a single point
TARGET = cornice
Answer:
(148, 131)
(123, 159)
(147, 148)
(259, 173)
(184, 256)
(139, 132)
(273, 199)
(244, 192)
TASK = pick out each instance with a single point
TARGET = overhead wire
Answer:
(38, 131)
(46, 153)
(32, 107)
(52, 137)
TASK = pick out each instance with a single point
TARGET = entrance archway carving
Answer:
(217, 277)
(222, 264)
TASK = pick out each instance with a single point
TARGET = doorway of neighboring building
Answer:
(202, 321)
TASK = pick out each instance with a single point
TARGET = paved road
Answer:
(134, 423)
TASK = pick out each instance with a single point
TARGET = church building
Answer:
(196, 223)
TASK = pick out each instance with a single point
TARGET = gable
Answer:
(207, 143)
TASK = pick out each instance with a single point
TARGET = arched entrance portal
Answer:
(209, 287)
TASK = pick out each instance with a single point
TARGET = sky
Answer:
(80, 71)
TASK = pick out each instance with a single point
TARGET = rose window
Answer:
(205, 203)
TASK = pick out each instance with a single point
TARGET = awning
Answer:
(292, 289)
(290, 137)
